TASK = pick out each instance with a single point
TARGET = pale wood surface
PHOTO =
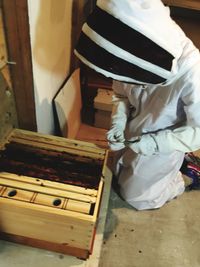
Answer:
(22, 195)
(46, 190)
(71, 231)
(57, 143)
(78, 206)
(49, 184)
(94, 135)
(103, 100)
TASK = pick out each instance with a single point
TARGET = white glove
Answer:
(146, 145)
(115, 135)
(184, 139)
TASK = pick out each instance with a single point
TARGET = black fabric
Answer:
(128, 39)
(109, 62)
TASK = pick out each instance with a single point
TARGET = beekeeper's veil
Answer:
(130, 41)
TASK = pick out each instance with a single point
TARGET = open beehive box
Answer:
(50, 189)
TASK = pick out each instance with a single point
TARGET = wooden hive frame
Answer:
(46, 214)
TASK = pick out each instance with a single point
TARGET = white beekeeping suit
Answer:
(156, 72)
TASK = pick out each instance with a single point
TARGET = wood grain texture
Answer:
(48, 214)
(15, 15)
(190, 4)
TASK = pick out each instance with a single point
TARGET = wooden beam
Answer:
(16, 24)
(190, 4)
(60, 248)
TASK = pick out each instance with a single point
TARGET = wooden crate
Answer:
(50, 191)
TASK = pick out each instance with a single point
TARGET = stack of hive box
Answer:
(91, 81)
(103, 106)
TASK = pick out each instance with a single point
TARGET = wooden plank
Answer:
(18, 194)
(62, 203)
(97, 206)
(106, 175)
(60, 248)
(16, 22)
(103, 100)
(40, 228)
(54, 226)
(190, 4)
(63, 216)
(101, 221)
(50, 146)
(42, 189)
(78, 206)
(97, 136)
(1, 189)
(48, 200)
(49, 184)
(58, 141)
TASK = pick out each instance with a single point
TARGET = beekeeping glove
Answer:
(146, 145)
(184, 139)
(115, 135)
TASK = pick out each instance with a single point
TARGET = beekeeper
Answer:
(156, 80)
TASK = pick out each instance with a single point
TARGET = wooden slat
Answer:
(190, 4)
(16, 22)
(78, 206)
(1, 189)
(48, 200)
(22, 195)
(38, 243)
(60, 203)
(50, 191)
(49, 212)
(97, 206)
(58, 141)
(54, 147)
(106, 174)
(49, 184)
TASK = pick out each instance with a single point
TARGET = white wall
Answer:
(50, 30)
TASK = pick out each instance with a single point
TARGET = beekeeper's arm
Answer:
(185, 138)
(120, 112)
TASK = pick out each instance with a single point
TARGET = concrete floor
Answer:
(167, 237)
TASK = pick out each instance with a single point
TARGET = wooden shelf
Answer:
(190, 4)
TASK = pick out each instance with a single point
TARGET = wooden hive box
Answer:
(50, 188)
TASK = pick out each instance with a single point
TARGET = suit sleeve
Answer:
(187, 137)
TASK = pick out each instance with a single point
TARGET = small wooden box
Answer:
(50, 191)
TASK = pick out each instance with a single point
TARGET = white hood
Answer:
(131, 41)
(149, 17)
